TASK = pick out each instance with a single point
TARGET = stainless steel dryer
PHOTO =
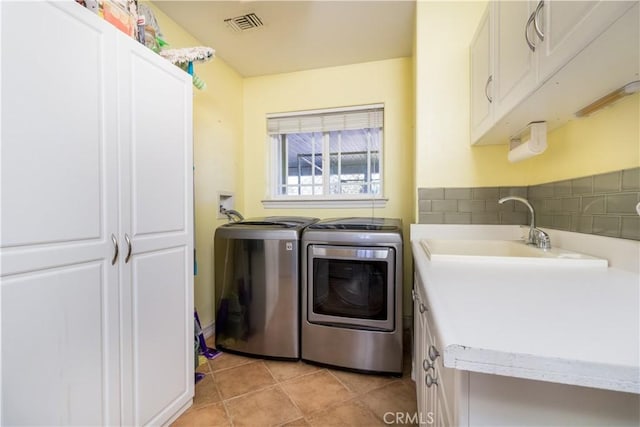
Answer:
(257, 286)
(352, 294)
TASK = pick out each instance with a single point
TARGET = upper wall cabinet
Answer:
(481, 77)
(536, 49)
(514, 53)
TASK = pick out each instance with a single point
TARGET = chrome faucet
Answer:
(536, 237)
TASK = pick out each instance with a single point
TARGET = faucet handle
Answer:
(541, 239)
(544, 242)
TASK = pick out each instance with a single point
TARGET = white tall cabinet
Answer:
(96, 223)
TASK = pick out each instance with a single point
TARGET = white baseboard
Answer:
(209, 330)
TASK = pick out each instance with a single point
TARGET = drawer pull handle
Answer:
(486, 89)
(115, 249)
(433, 353)
(430, 381)
(128, 257)
(526, 32)
(535, 20)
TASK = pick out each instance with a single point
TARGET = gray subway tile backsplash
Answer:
(607, 182)
(471, 206)
(431, 218)
(631, 179)
(622, 203)
(457, 193)
(570, 204)
(444, 206)
(601, 204)
(430, 193)
(582, 185)
(593, 205)
(606, 226)
(562, 188)
(630, 227)
(457, 218)
(486, 193)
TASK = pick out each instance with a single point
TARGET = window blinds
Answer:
(326, 120)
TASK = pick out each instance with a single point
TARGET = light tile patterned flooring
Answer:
(243, 391)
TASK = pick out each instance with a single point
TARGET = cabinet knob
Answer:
(422, 308)
(433, 353)
(427, 365)
(430, 380)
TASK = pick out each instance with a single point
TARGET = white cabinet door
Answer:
(60, 330)
(419, 337)
(515, 65)
(569, 26)
(157, 217)
(481, 70)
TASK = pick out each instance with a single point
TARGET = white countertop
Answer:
(560, 324)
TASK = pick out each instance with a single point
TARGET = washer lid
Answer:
(273, 222)
(358, 223)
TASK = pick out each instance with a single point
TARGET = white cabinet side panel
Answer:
(53, 119)
(55, 338)
(500, 400)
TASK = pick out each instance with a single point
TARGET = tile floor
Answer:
(243, 391)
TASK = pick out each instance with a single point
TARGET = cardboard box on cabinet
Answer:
(122, 14)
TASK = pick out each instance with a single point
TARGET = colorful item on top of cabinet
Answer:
(188, 54)
(153, 37)
(185, 57)
(122, 14)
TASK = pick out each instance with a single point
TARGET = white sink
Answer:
(505, 251)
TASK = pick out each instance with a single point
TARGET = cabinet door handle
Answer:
(536, 26)
(486, 89)
(126, 238)
(526, 32)
(413, 294)
(427, 364)
(430, 381)
(433, 353)
(422, 308)
(115, 249)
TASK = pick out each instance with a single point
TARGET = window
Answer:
(328, 154)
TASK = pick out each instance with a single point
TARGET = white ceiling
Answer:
(299, 35)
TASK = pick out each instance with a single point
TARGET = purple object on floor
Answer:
(208, 352)
(199, 376)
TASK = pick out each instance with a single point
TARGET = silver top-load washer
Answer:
(257, 286)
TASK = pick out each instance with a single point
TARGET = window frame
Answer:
(273, 168)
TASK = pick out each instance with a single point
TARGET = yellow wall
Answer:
(217, 148)
(607, 141)
(432, 90)
(388, 82)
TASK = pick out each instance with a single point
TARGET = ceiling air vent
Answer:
(244, 22)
